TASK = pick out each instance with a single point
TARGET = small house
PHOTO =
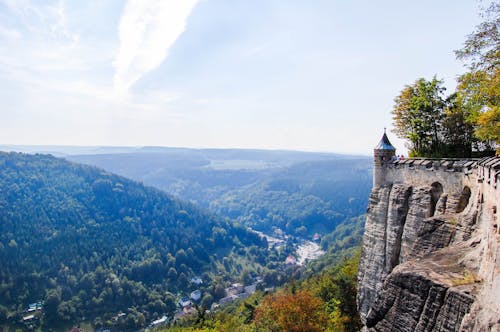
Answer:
(196, 295)
(184, 302)
(159, 322)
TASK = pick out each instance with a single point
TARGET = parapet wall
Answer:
(488, 171)
(452, 174)
(488, 183)
(482, 176)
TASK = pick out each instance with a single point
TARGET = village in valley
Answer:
(189, 305)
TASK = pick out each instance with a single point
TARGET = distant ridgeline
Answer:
(90, 244)
(300, 193)
(431, 248)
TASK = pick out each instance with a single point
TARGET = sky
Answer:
(292, 74)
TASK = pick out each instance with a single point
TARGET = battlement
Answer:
(488, 171)
(434, 165)
(452, 173)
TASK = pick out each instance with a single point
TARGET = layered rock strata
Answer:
(431, 254)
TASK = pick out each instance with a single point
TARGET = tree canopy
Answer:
(91, 244)
(325, 301)
(467, 121)
(418, 113)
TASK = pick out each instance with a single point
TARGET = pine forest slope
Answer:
(90, 243)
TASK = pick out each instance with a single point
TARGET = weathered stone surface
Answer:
(399, 200)
(431, 255)
(432, 234)
(441, 205)
(396, 231)
(456, 305)
(420, 208)
(431, 294)
(400, 307)
(373, 254)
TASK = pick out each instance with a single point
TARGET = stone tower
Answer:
(382, 155)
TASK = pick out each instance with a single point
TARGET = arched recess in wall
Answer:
(436, 191)
(464, 199)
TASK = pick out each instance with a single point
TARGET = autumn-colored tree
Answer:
(337, 289)
(299, 312)
(479, 89)
(481, 49)
(479, 94)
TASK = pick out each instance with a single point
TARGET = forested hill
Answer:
(90, 243)
(300, 193)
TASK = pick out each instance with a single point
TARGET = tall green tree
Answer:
(418, 114)
(458, 130)
(468, 120)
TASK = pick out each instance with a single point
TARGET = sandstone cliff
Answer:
(431, 253)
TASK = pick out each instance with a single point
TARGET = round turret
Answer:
(383, 154)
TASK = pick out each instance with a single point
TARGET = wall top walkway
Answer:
(443, 164)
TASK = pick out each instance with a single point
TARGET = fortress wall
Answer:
(452, 174)
(450, 248)
(488, 178)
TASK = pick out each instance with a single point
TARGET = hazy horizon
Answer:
(91, 149)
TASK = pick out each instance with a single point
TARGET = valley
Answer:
(122, 254)
(299, 193)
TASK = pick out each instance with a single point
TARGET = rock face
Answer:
(431, 253)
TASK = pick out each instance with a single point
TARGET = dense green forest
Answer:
(90, 244)
(303, 199)
(297, 192)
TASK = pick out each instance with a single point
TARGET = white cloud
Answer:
(147, 31)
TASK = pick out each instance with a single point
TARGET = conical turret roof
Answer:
(384, 143)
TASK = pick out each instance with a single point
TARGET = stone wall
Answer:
(451, 173)
(432, 223)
